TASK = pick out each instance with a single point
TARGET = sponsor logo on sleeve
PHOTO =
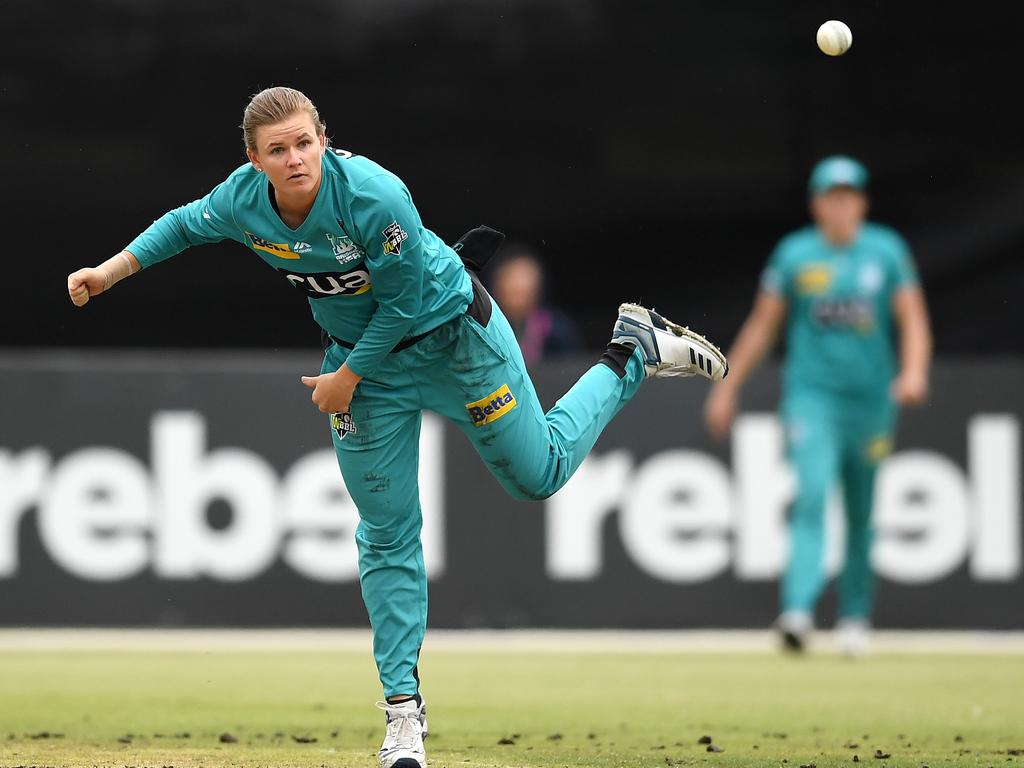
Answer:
(394, 236)
(492, 407)
(280, 250)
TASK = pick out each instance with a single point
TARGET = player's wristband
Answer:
(115, 269)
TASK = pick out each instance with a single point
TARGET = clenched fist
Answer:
(86, 283)
(92, 281)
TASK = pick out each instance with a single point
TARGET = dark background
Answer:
(651, 150)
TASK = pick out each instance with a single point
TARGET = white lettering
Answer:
(335, 286)
(101, 516)
(574, 516)
(764, 489)
(676, 517)
(95, 513)
(673, 519)
(22, 478)
(994, 451)
(324, 518)
(921, 517)
(187, 481)
(431, 482)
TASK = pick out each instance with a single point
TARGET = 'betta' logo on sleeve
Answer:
(492, 407)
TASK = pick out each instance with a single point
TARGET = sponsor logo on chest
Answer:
(857, 314)
(814, 278)
(280, 250)
(320, 285)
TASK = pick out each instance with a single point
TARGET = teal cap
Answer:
(837, 171)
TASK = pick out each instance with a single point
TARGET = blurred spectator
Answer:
(517, 283)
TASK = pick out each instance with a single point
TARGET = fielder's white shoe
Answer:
(669, 349)
(853, 637)
(794, 627)
(403, 739)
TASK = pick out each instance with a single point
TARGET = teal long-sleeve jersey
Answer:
(373, 274)
(840, 319)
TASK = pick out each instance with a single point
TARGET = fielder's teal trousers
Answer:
(833, 438)
(475, 376)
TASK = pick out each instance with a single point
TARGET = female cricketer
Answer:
(407, 327)
(840, 285)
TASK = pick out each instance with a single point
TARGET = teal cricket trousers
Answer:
(833, 437)
(475, 376)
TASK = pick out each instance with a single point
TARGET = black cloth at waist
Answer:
(479, 309)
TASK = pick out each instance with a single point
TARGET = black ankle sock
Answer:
(615, 357)
(417, 698)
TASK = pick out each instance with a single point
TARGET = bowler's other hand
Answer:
(910, 388)
(720, 410)
(332, 393)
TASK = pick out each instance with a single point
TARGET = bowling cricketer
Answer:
(407, 326)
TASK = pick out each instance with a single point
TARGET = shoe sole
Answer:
(682, 332)
(792, 642)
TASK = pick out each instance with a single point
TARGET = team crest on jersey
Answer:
(394, 236)
(344, 249)
(342, 424)
(280, 250)
(871, 278)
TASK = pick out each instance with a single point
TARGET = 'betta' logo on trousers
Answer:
(492, 407)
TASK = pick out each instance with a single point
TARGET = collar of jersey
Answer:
(831, 248)
(318, 203)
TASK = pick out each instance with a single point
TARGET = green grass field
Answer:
(554, 709)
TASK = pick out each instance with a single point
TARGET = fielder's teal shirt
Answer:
(373, 274)
(839, 332)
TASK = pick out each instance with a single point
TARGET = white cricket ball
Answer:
(834, 38)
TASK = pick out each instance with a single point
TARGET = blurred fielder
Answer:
(407, 326)
(840, 286)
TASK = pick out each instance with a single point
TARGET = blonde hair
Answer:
(272, 105)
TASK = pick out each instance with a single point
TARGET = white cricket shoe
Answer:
(853, 636)
(668, 349)
(794, 627)
(403, 739)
